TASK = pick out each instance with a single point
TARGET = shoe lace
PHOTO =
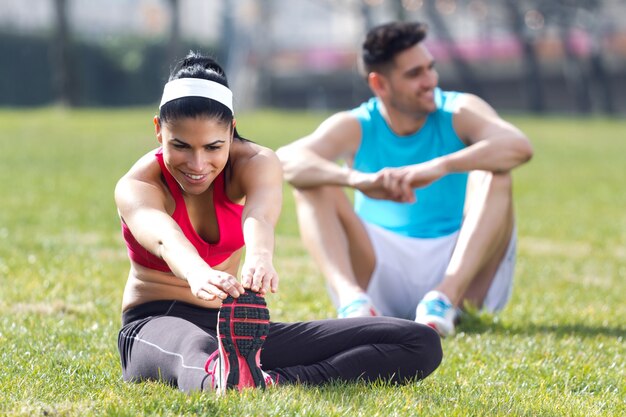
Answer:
(438, 307)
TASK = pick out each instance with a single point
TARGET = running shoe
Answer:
(243, 325)
(359, 307)
(436, 311)
(212, 366)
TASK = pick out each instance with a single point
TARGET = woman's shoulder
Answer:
(252, 163)
(145, 172)
(146, 168)
(142, 183)
(245, 154)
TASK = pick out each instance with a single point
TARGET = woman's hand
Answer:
(259, 275)
(212, 284)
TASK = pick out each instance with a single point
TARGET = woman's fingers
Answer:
(260, 279)
(209, 294)
(230, 285)
(252, 278)
(218, 286)
(274, 283)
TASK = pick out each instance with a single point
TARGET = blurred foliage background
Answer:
(561, 56)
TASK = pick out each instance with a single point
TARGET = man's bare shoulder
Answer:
(337, 136)
(470, 105)
(341, 123)
(471, 116)
(475, 120)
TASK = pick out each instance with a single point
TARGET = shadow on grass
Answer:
(473, 324)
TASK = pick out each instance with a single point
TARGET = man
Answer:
(432, 226)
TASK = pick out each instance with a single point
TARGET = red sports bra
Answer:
(228, 219)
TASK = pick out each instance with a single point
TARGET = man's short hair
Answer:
(384, 42)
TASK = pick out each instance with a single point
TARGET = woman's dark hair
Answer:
(384, 42)
(195, 65)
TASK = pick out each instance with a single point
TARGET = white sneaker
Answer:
(436, 311)
(359, 307)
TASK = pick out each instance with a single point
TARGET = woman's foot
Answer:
(243, 325)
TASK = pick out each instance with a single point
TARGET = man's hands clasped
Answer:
(397, 184)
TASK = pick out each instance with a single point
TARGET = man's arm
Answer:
(493, 145)
(312, 160)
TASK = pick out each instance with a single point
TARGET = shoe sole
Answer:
(243, 325)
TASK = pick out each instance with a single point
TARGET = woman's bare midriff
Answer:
(145, 285)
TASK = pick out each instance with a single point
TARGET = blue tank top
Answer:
(438, 210)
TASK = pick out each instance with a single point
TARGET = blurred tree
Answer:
(246, 50)
(64, 81)
(366, 12)
(463, 69)
(532, 71)
(399, 10)
(569, 15)
(574, 70)
(227, 35)
(598, 68)
(264, 47)
(173, 46)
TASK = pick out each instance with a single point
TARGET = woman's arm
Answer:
(141, 205)
(261, 182)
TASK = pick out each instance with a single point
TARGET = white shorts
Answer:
(407, 268)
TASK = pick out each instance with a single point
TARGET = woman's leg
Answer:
(169, 349)
(351, 349)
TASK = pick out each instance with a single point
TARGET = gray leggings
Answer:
(171, 341)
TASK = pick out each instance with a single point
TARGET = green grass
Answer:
(558, 349)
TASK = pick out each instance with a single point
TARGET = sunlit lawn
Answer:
(557, 349)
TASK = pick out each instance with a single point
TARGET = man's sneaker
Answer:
(243, 324)
(436, 310)
(359, 307)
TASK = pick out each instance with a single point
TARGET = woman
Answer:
(187, 208)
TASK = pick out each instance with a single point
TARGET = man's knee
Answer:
(316, 195)
(482, 184)
(500, 182)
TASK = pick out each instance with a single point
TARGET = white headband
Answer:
(197, 87)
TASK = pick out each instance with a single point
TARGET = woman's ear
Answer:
(157, 129)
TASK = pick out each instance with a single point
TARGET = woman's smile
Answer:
(195, 177)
